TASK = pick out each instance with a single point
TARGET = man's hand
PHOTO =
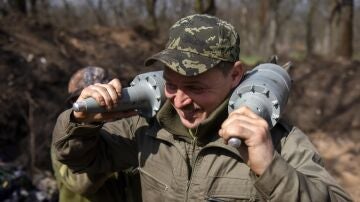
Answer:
(108, 96)
(258, 149)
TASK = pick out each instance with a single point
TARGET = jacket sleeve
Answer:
(80, 183)
(298, 174)
(94, 148)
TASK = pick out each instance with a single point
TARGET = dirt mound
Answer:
(326, 96)
(37, 60)
(325, 103)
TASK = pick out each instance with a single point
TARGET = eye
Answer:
(170, 87)
(195, 89)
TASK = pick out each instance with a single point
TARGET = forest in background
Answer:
(298, 28)
(42, 42)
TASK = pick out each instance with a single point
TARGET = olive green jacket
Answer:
(85, 188)
(176, 164)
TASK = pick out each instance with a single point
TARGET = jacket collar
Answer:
(170, 121)
(207, 132)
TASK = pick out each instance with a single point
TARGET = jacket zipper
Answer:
(193, 168)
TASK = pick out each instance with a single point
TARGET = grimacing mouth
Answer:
(190, 114)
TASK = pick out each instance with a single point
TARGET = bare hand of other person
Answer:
(257, 148)
(108, 96)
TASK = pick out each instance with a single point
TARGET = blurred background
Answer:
(43, 42)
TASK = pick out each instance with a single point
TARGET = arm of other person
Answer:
(80, 183)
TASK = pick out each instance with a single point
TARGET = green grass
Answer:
(298, 55)
(356, 56)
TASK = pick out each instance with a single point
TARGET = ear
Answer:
(237, 73)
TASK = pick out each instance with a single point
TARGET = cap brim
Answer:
(185, 63)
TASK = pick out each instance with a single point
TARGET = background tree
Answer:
(262, 22)
(205, 7)
(33, 7)
(266, 27)
(96, 10)
(150, 8)
(19, 5)
(341, 23)
(309, 28)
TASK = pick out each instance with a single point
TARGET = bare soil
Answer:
(37, 60)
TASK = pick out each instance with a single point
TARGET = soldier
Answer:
(182, 154)
(109, 186)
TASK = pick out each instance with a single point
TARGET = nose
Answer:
(181, 99)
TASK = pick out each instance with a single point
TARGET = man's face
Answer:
(195, 97)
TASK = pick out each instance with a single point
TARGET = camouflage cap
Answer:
(83, 78)
(87, 76)
(197, 43)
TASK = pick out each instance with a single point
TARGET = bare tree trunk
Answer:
(205, 7)
(44, 10)
(150, 7)
(19, 6)
(309, 28)
(33, 7)
(326, 44)
(198, 6)
(274, 25)
(278, 18)
(163, 10)
(183, 8)
(98, 16)
(117, 10)
(263, 25)
(70, 16)
(211, 7)
(32, 139)
(341, 26)
(344, 46)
